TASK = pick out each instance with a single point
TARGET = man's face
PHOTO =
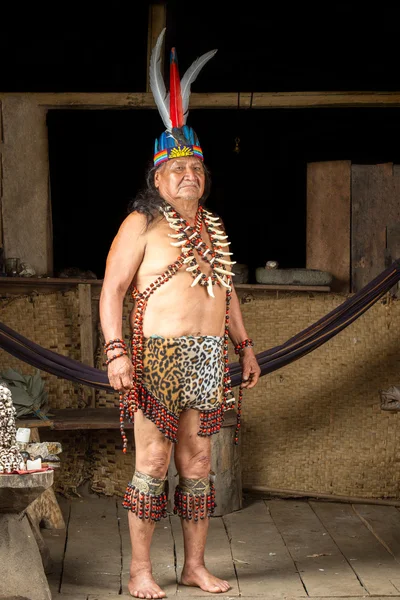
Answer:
(181, 179)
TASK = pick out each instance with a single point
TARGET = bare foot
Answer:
(142, 585)
(200, 577)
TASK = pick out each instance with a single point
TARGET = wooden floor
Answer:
(270, 549)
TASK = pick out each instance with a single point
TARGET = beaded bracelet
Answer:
(113, 344)
(245, 344)
(114, 347)
(114, 356)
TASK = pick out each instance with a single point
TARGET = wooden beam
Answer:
(157, 22)
(323, 99)
(22, 286)
(257, 100)
(266, 287)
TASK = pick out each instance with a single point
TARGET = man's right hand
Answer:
(120, 374)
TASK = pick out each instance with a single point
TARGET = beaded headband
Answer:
(179, 139)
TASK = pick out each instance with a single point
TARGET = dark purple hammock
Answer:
(270, 360)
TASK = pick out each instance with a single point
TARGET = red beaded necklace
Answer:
(189, 239)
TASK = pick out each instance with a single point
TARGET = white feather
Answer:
(157, 84)
(189, 77)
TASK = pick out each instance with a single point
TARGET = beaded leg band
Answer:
(145, 496)
(194, 498)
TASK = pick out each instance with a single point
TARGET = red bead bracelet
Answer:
(114, 356)
(242, 345)
(113, 344)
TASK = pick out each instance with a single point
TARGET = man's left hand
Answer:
(250, 369)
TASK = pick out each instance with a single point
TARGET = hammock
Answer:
(270, 360)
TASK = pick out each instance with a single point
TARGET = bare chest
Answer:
(160, 254)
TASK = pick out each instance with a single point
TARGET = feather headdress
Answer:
(178, 139)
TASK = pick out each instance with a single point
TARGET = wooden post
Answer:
(86, 329)
(157, 22)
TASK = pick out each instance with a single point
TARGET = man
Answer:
(177, 386)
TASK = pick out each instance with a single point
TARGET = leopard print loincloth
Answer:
(184, 372)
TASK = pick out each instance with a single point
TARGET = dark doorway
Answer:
(98, 161)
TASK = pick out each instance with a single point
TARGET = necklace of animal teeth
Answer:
(188, 239)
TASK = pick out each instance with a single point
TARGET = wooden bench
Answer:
(71, 419)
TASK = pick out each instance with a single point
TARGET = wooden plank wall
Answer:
(1, 174)
(25, 184)
(328, 220)
(375, 191)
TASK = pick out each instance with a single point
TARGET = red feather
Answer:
(175, 99)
